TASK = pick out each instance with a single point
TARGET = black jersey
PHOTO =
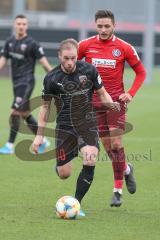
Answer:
(72, 92)
(23, 54)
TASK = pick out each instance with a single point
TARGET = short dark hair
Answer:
(67, 44)
(20, 16)
(104, 14)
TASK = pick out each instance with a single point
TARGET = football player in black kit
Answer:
(71, 84)
(23, 51)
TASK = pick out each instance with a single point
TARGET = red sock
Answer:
(119, 166)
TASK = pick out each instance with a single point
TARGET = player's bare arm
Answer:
(107, 100)
(3, 62)
(44, 62)
(42, 120)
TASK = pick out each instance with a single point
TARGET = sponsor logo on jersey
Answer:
(10, 44)
(105, 63)
(83, 79)
(116, 53)
(93, 51)
(23, 47)
(60, 84)
(16, 55)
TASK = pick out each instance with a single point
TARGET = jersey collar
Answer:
(112, 39)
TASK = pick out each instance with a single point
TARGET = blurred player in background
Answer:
(23, 51)
(108, 54)
(71, 84)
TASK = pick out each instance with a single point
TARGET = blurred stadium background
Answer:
(53, 20)
(29, 190)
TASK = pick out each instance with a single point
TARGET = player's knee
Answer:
(106, 143)
(116, 145)
(90, 159)
(63, 172)
(25, 114)
(89, 155)
(64, 175)
(107, 146)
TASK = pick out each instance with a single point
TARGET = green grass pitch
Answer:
(29, 190)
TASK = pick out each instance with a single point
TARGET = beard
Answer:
(107, 36)
(68, 70)
(21, 34)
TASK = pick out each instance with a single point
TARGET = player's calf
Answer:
(84, 181)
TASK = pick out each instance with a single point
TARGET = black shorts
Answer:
(22, 93)
(70, 140)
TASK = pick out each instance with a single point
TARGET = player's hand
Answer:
(125, 97)
(115, 106)
(36, 143)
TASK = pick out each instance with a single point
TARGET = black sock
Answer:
(14, 127)
(32, 123)
(84, 181)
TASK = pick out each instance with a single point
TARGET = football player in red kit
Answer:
(108, 54)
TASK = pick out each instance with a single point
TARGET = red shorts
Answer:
(110, 119)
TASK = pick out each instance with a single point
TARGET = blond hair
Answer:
(68, 44)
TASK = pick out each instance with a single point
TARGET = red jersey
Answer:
(109, 57)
